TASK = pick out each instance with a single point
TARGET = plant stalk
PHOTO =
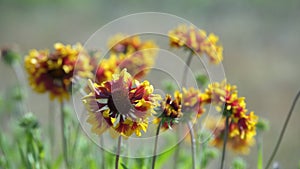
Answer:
(155, 145)
(183, 83)
(118, 152)
(64, 139)
(193, 143)
(186, 68)
(283, 130)
(259, 151)
(225, 141)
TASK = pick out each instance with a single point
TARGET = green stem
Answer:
(186, 68)
(202, 163)
(3, 150)
(225, 141)
(193, 143)
(64, 139)
(103, 152)
(259, 151)
(22, 83)
(155, 145)
(183, 83)
(118, 152)
(51, 130)
(283, 130)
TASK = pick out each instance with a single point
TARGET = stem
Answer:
(103, 152)
(64, 139)
(193, 142)
(283, 130)
(259, 151)
(51, 131)
(22, 83)
(118, 152)
(155, 145)
(183, 83)
(225, 141)
(186, 67)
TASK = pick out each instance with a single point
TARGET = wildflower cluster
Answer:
(118, 101)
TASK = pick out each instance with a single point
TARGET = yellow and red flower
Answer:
(106, 68)
(191, 38)
(170, 111)
(54, 72)
(240, 133)
(242, 126)
(192, 103)
(122, 105)
(135, 55)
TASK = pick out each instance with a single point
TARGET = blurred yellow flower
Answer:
(135, 55)
(54, 72)
(191, 38)
(122, 105)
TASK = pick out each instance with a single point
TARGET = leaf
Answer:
(57, 163)
(124, 166)
(162, 159)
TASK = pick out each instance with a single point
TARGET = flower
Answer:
(106, 68)
(54, 72)
(242, 126)
(135, 55)
(171, 111)
(121, 43)
(191, 38)
(122, 105)
(240, 135)
(191, 103)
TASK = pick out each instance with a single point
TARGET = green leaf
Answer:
(163, 158)
(57, 163)
(124, 166)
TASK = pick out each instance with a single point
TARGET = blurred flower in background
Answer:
(197, 40)
(54, 72)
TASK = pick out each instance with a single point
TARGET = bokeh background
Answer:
(261, 42)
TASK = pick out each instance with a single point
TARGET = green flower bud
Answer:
(29, 121)
(238, 163)
(262, 125)
(9, 56)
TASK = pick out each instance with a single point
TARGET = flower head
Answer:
(240, 135)
(54, 72)
(242, 126)
(135, 55)
(170, 110)
(106, 68)
(191, 38)
(121, 104)
(191, 103)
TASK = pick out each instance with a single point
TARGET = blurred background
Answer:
(261, 42)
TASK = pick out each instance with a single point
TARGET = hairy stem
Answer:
(103, 152)
(64, 139)
(283, 130)
(118, 152)
(155, 145)
(186, 68)
(225, 141)
(183, 83)
(193, 143)
(259, 151)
